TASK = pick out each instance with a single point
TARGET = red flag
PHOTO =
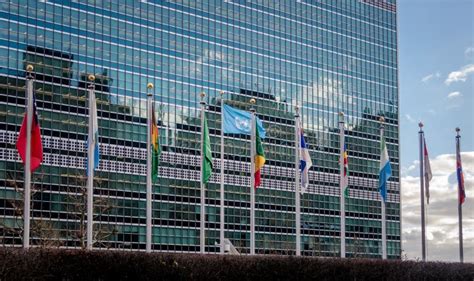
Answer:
(36, 145)
(428, 173)
(460, 174)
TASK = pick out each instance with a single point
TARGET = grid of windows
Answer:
(326, 56)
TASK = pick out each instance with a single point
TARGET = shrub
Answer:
(49, 264)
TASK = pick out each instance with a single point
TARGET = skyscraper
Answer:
(326, 56)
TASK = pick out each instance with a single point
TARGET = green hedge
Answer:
(42, 264)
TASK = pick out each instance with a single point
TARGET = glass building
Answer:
(326, 56)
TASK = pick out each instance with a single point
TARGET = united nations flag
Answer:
(237, 121)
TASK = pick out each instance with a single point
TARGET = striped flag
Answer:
(345, 178)
(259, 156)
(305, 162)
(460, 175)
(385, 170)
(155, 145)
(93, 140)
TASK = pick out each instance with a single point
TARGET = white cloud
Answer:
(469, 52)
(453, 95)
(409, 118)
(459, 75)
(406, 171)
(441, 214)
(430, 76)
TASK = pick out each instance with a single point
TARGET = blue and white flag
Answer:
(94, 139)
(305, 162)
(385, 170)
(237, 121)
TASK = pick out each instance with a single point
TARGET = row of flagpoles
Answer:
(234, 121)
(425, 177)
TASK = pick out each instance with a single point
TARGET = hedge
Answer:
(51, 264)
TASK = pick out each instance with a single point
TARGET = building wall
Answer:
(326, 56)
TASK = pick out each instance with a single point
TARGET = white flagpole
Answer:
(149, 187)
(342, 199)
(222, 205)
(203, 186)
(252, 179)
(458, 152)
(27, 167)
(384, 228)
(422, 193)
(297, 181)
(90, 166)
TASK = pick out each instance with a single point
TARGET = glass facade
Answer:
(326, 56)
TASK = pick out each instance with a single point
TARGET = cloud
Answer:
(409, 118)
(441, 215)
(406, 171)
(453, 95)
(459, 75)
(430, 76)
(469, 52)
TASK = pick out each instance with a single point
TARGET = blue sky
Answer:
(436, 61)
(435, 37)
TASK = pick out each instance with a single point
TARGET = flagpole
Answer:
(222, 205)
(458, 152)
(384, 228)
(203, 187)
(252, 178)
(297, 181)
(90, 166)
(27, 167)
(422, 193)
(342, 199)
(149, 187)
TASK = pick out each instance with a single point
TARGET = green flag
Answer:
(207, 154)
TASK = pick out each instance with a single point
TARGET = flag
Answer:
(259, 157)
(94, 139)
(428, 174)
(305, 162)
(207, 154)
(385, 170)
(460, 175)
(36, 145)
(237, 121)
(155, 145)
(345, 179)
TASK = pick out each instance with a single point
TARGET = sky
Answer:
(436, 67)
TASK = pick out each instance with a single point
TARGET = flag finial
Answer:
(297, 111)
(149, 86)
(221, 93)
(252, 102)
(29, 68)
(91, 77)
(202, 95)
(458, 130)
(382, 122)
(341, 116)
